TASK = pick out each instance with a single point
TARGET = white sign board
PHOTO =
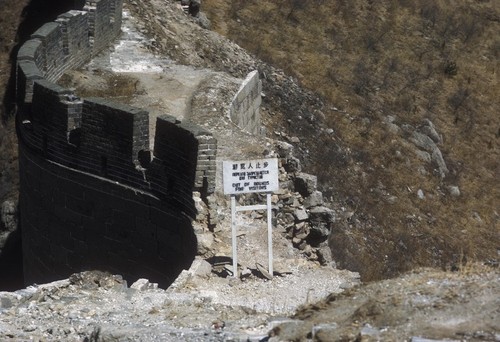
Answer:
(244, 176)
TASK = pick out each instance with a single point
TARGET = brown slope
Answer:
(412, 61)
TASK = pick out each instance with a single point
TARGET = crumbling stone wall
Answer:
(244, 110)
(92, 195)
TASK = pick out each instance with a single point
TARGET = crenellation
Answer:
(27, 73)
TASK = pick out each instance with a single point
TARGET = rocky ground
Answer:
(199, 306)
(425, 305)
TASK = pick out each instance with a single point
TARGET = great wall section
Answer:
(93, 194)
(131, 184)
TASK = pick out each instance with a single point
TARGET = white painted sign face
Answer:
(245, 176)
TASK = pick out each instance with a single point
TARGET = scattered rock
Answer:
(301, 230)
(305, 184)
(429, 129)
(292, 164)
(203, 21)
(324, 332)
(300, 214)
(370, 331)
(391, 126)
(424, 156)
(7, 300)
(200, 206)
(205, 243)
(454, 190)
(200, 267)
(286, 329)
(426, 139)
(421, 339)
(8, 216)
(322, 214)
(420, 194)
(143, 284)
(262, 270)
(438, 159)
(423, 141)
(325, 255)
(95, 279)
(313, 200)
(284, 149)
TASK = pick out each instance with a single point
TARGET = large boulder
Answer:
(194, 7)
(321, 219)
(305, 184)
(8, 216)
(313, 200)
(9, 234)
(429, 129)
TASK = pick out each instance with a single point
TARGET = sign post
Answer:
(248, 176)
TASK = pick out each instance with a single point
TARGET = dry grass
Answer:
(412, 60)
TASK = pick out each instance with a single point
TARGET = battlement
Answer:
(97, 151)
(99, 136)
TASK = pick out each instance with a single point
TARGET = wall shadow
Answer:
(34, 15)
(11, 263)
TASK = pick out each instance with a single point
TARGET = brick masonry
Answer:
(92, 194)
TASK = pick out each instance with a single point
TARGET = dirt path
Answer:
(159, 84)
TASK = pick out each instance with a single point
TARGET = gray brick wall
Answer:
(92, 194)
(104, 22)
(52, 64)
(74, 26)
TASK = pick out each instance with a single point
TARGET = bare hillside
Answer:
(390, 72)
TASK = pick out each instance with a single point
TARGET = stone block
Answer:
(300, 214)
(305, 184)
(200, 268)
(313, 200)
(325, 332)
(321, 219)
(287, 329)
(28, 50)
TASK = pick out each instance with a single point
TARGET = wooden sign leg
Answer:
(233, 236)
(270, 234)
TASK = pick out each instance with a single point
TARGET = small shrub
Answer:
(458, 98)
(450, 68)
(430, 12)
